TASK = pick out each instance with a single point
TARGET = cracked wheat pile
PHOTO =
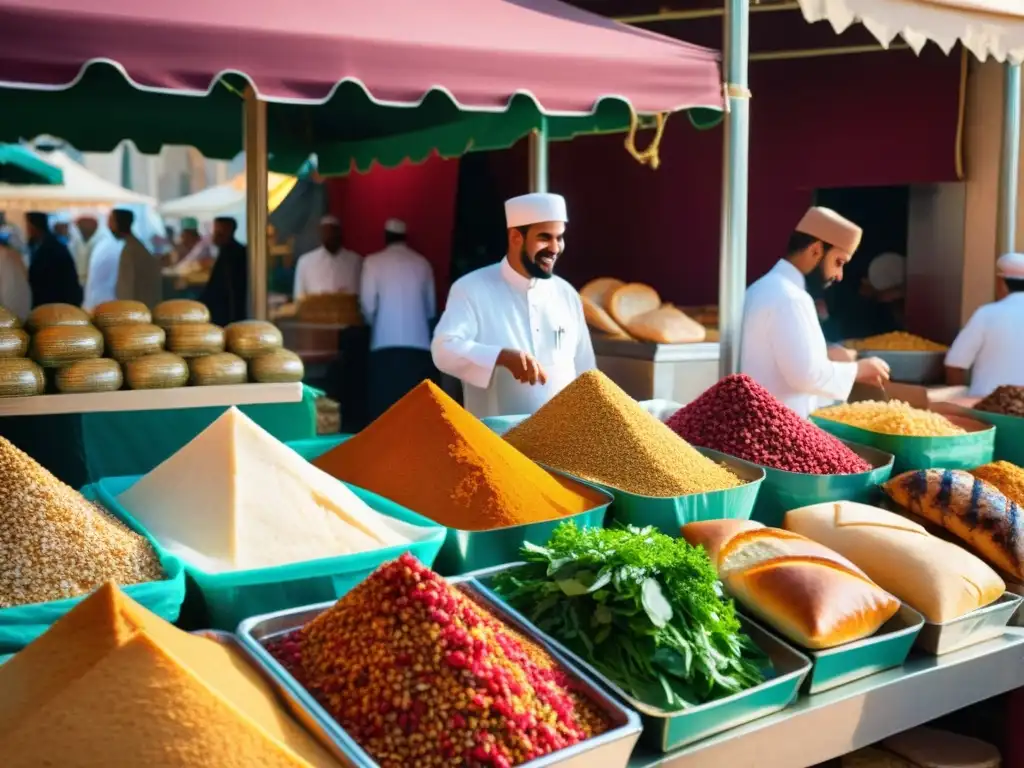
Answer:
(55, 544)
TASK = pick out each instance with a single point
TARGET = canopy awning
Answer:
(226, 199)
(987, 28)
(469, 74)
(80, 188)
(20, 165)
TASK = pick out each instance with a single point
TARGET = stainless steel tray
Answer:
(668, 731)
(974, 627)
(609, 750)
(304, 718)
(911, 367)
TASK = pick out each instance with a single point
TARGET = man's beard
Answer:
(816, 281)
(533, 269)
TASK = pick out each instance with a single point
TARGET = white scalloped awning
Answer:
(987, 28)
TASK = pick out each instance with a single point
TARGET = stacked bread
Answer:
(809, 593)
(938, 579)
(635, 311)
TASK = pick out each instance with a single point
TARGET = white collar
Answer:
(516, 280)
(784, 268)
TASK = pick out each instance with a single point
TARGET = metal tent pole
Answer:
(1009, 173)
(732, 276)
(539, 158)
(255, 127)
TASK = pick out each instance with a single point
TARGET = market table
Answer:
(828, 725)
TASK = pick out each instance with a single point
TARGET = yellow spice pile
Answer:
(54, 543)
(897, 341)
(595, 431)
(1007, 477)
(892, 418)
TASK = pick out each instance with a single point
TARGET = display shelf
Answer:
(152, 399)
(831, 724)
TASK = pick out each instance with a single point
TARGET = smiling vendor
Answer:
(513, 332)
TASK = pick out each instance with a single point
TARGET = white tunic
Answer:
(15, 292)
(321, 271)
(783, 346)
(990, 346)
(496, 308)
(398, 299)
(101, 285)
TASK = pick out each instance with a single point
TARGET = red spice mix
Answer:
(739, 417)
(419, 674)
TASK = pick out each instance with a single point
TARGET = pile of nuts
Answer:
(420, 674)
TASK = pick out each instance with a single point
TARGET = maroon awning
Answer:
(481, 51)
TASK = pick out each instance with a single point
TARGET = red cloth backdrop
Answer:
(837, 121)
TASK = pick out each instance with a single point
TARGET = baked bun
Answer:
(632, 300)
(666, 325)
(600, 291)
(600, 320)
(807, 592)
(938, 579)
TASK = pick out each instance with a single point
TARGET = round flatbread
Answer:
(666, 325)
(601, 321)
(600, 291)
(632, 300)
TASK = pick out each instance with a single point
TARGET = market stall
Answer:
(20, 165)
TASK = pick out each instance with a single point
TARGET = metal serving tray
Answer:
(301, 716)
(609, 750)
(668, 731)
(911, 367)
(974, 627)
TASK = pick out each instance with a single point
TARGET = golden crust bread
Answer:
(630, 301)
(713, 534)
(666, 325)
(601, 321)
(971, 509)
(600, 291)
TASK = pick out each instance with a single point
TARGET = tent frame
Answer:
(1009, 171)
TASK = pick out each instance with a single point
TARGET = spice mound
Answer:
(112, 684)
(739, 417)
(891, 418)
(1007, 400)
(1007, 477)
(595, 431)
(253, 502)
(896, 341)
(431, 456)
(420, 674)
(55, 544)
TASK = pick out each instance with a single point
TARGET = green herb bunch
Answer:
(643, 608)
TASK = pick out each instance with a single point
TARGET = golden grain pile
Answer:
(892, 418)
(54, 543)
(595, 431)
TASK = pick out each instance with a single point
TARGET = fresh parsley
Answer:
(644, 609)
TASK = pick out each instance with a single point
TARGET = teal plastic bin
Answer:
(6, 657)
(783, 491)
(1009, 435)
(965, 451)
(22, 624)
(237, 595)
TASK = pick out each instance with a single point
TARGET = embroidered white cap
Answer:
(1011, 265)
(395, 226)
(534, 208)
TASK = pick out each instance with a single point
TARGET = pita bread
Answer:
(600, 291)
(632, 300)
(666, 325)
(601, 321)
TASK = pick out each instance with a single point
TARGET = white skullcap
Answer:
(887, 271)
(61, 218)
(395, 226)
(1011, 266)
(534, 208)
(330, 221)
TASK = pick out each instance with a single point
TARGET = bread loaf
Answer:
(666, 325)
(967, 507)
(939, 579)
(600, 320)
(807, 592)
(600, 291)
(632, 300)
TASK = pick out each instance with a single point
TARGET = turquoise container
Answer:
(465, 551)
(237, 595)
(1009, 435)
(6, 657)
(887, 648)
(783, 491)
(965, 451)
(22, 624)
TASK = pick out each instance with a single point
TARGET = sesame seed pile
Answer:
(55, 544)
(891, 418)
(595, 431)
(421, 675)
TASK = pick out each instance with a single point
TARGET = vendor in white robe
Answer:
(331, 268)
(988, 349)
(512, 332)
(783, 346)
